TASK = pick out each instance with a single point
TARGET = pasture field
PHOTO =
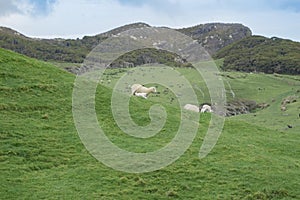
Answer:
(42, 156)
(271, 89)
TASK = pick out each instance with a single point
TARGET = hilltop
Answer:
(215, 36)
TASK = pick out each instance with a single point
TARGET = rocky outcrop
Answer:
(239, 107)
(287, 100)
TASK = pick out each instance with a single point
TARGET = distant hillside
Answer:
(92, 41)
(231, 42)
(212, 36)
(215, 36)
(261, 54)
(43, 49)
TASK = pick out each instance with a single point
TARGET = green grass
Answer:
(270, 89)
(64, 65)
(42, 157)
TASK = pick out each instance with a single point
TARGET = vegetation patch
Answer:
(261, 54)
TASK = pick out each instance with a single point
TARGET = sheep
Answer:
(138, 88)
(206, 108)
(142, 94)
(191, 107)
(203, 108)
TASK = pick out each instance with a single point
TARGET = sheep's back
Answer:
(135, 87)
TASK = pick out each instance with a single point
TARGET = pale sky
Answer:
(76, 18)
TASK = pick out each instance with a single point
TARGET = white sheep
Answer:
(206, 108)
(142, 94)
(191, 107)
(138, 88)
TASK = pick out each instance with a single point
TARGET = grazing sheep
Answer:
(191, 107)
(142, 94)
(206, 108)
(138, 88)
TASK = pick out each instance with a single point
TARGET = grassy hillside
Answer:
(42, 156)
(272, 90)
(261, 54)
(66, 50)
(268, 89)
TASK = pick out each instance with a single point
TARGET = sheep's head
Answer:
(153, 89)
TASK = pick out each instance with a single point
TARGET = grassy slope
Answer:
(42, 157)
(271, 89)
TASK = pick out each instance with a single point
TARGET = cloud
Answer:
(253, 5)
(288, 5)
(41, 7)
(76, 18)
(8, 7)
(134, 2)
(26, 7)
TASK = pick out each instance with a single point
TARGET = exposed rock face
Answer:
(214, 36)
(239, 107)
(287, 100)
(236, 107)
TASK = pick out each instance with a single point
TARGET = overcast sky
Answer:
(76, 18)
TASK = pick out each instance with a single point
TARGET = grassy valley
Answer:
(42, 156)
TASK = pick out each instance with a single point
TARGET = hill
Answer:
(261, 54)
(43, 49)
(231, 42)
(213, 36)
(42, 156)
